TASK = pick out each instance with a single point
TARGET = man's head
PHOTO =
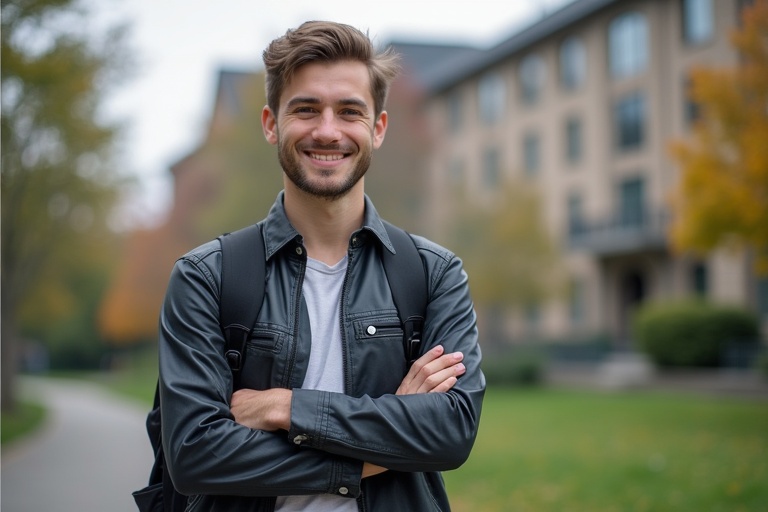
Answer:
(324, 41)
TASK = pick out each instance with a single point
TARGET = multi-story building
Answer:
(583, 104)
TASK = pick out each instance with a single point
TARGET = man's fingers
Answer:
(431, 371)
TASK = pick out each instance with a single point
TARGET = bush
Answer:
(513, 370)
(692, 333)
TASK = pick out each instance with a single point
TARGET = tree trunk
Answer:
(8, 357)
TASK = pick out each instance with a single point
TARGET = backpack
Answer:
(242, 292)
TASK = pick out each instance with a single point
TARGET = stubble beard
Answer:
(330, 191)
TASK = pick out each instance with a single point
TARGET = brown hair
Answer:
(325, 41)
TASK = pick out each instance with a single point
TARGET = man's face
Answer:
(325, 129)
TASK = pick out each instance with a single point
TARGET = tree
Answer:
(511, 259)
(723, 193)
(57, 183)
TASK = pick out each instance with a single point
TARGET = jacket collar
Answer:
(278, 231)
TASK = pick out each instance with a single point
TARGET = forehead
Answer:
(329, 82)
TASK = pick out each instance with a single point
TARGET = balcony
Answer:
(620, 234)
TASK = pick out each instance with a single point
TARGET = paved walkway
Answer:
(90, 456)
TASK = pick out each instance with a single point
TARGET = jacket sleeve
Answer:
(207, 452)
(424, 432)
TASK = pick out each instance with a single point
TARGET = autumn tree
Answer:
(58, 186)
(722, 197)
(510, 257)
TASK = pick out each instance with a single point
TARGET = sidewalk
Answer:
(90, 456)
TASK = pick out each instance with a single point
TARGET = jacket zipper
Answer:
(344, 357)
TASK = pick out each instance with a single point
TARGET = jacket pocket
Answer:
(260, 368)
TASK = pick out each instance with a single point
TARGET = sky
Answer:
(179, 46)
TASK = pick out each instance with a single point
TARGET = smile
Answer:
(326, 158)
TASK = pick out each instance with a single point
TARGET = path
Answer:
(90, 456)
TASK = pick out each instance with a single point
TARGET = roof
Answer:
(465, 66)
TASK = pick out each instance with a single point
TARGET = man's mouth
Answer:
(326, 157)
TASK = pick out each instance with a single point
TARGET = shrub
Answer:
(513, 370)
(691, 333)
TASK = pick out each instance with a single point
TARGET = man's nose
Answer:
(327, 129)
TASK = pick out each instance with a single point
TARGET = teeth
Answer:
(326, 158)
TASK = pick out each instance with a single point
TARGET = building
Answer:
(583, 103)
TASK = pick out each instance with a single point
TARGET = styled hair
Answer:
(325, 41)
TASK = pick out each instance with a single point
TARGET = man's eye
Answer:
(351, 112)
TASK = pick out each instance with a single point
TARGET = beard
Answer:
(328, 189)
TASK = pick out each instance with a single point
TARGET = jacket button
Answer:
(371, 330)
(299, 251)
(300, 438)
(343, 490)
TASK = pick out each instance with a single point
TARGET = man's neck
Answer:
(326, 225)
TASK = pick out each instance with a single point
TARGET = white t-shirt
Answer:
(322, 294)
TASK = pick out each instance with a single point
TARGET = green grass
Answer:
(27, 418)
(544, 450)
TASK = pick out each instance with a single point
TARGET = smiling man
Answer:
(328, 415)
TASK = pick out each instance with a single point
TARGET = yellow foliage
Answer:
(722, 197)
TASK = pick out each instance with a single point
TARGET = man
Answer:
(328, 415)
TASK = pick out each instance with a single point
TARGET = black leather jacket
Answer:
(224, 466)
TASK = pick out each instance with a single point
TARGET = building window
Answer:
(531, 154)
(573, 140)
(628, 45)
(491, 169)
(699, 279)
(698, 21)
(692, 111)
(575, 214)
(632, 203)
(762, 298)
(532, 75)
(455, 111)
(629, 122)
(573, 63)
(577, 302)
(532, 312)
(491, 95)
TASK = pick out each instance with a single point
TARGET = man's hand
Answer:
(434, 372)
(263, 410)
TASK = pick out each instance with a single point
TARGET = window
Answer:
(698, 21)
(491, 95)
(573, 140)
(629, 122)
(491, 169)
(532, 312)
(628, 45)
(762, 297)
(573, 63)
(577, 302)
(531, 154)
(531, 78)
(575, 214)
(699, 279)
(455, 111)
(632, 202)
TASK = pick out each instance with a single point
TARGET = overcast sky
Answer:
(180, 45)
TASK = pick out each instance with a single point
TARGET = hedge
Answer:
(692, 333)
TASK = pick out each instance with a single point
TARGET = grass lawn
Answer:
(26, 418)
(545, 450)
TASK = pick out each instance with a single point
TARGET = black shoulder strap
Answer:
(408, 282)
(243, 276)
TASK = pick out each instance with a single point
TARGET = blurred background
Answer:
(599, 165)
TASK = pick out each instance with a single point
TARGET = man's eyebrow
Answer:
(302, 100)
(311, 100)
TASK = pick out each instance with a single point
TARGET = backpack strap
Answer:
(408, 282)
(243, 276)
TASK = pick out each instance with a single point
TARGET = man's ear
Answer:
(380, 129)
(269, 125)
